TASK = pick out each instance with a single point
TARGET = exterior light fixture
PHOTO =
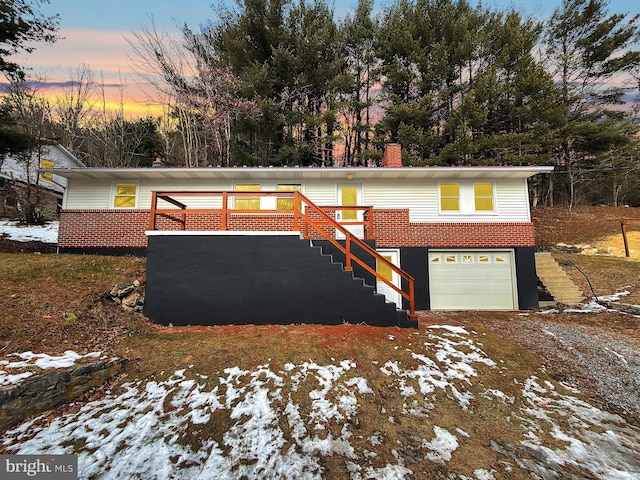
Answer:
(349, 176)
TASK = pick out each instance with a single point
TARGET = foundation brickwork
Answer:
(392, 228)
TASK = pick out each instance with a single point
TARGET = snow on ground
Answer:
(257, 423)
(47, 233)
(32, 363)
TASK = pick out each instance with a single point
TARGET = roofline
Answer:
(70, 155)
(299, 172)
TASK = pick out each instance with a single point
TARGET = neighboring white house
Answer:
(18, 175)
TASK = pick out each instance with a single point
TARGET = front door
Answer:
(393, 257)
(350, 195)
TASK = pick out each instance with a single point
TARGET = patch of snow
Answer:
(482, 474)
(47, 233)
(41, 361)
(606, 446)
(450, 328)
(442, 446)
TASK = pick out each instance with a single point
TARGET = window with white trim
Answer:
(287, 203)
(466, 197)
(450, 197)
(125, 195)
(483, 196)
(247, 203)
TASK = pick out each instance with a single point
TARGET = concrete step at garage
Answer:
(555, 279)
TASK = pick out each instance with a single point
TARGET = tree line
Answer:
(285, 82)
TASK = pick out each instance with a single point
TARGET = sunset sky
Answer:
(95, 33)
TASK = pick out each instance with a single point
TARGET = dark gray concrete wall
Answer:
(244, 279)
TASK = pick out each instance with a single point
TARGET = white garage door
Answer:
(472, 280)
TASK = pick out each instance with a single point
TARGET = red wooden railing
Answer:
(302, 222)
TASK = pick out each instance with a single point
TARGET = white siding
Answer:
(149, 186)
(420, 196)
(87, 194)
(321, 192)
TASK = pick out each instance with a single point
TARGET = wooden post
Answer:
(296, 211)
(152, 214)
(223, 220)
(623, 227)
(347, 253)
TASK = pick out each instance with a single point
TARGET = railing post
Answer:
(347, 246)
(152, 213)
(371, 232)
(412, 300)
(223, 220)
(296, 212)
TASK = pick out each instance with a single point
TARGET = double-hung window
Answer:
(450, 197)
(466, 197)
(287, 203)
(46, 177)
(125, 195)
(483, 197)
(247, 203)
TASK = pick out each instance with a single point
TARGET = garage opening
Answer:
(472, 280)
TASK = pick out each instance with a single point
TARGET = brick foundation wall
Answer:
(126, 229)
(392, 228)
(103, 229)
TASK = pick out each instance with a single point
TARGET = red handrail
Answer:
(299, 215)
(349, 256)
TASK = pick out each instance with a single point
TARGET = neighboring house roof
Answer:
(56, 155)
(338, 173)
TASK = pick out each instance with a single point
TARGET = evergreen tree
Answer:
(586, 49)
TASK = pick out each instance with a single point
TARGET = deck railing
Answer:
(307, 217)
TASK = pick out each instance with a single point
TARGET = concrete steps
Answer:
(557, 282)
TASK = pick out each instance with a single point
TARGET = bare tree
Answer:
(74, 108)
(32, 115)
(202, 89)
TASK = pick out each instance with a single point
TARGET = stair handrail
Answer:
(347, 250)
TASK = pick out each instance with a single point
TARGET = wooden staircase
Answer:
(555, 279)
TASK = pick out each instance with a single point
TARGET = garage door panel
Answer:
(478, 280)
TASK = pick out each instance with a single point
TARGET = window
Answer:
(450, 196)
(125, 195)
(247, 203)
(46, 177)
(286, 203)
(467, 198)
(483, 195)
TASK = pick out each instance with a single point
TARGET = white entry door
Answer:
(472, 280)
(350, 195)
(392, 256)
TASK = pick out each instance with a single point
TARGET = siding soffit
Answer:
(301, 173)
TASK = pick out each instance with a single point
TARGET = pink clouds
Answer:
(103, 51)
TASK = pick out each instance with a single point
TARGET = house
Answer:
(21, 183)
(270, 245)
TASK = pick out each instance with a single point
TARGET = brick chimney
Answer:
(392, 156)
